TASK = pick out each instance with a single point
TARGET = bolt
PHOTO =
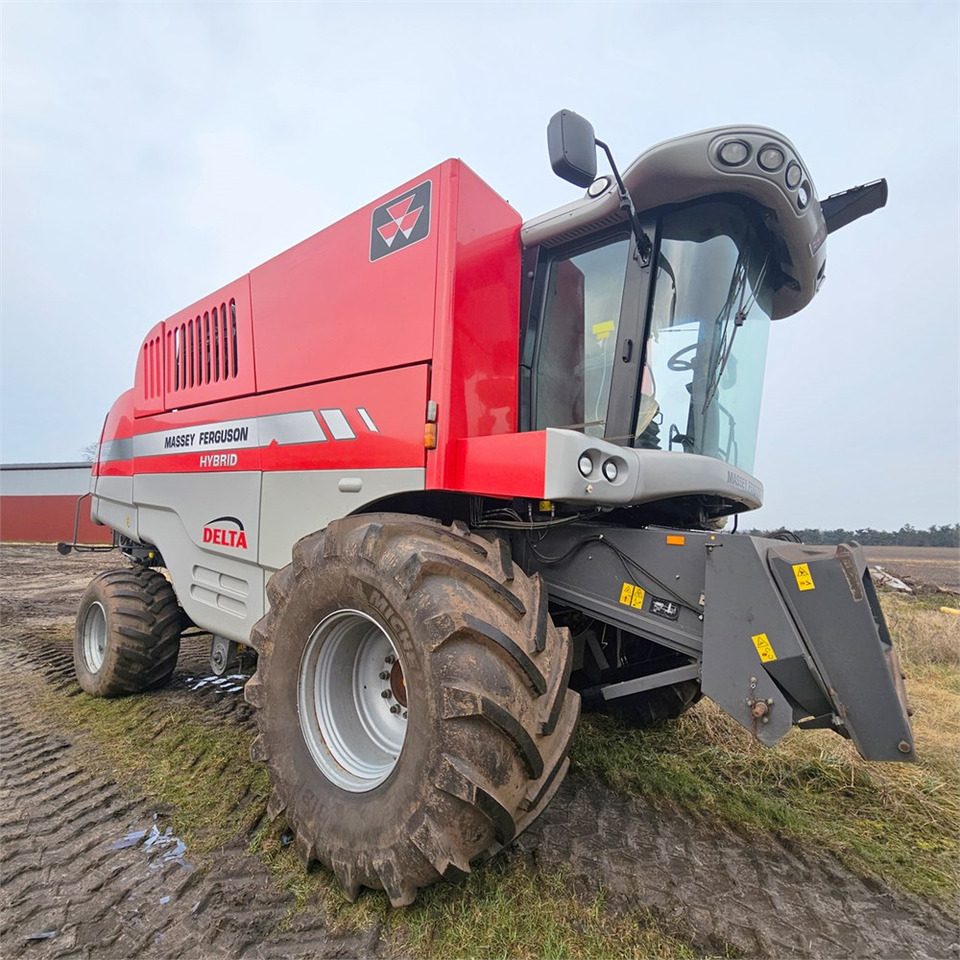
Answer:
(385, 694)
(404, 714)
(384, 675)
(903, 746)
(753, 681)
(395, 708)
(751, 702)
(765, 720)
(760, 709)
(389, 658)
(770, 703)
(676, 576)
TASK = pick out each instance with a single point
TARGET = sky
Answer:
(152, 152)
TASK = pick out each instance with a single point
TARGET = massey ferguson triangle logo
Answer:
(225, 532)
(400, 222)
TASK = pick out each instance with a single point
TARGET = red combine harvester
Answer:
(451, 474)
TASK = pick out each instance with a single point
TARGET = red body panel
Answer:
(334, 323)
(391, 435)
(513, 465)
(476, 344)
(323, 311)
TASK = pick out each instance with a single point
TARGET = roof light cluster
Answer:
(771, 159)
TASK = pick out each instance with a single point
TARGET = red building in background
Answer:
(38, 503)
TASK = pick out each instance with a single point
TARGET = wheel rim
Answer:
(352, 701)
(94, 637)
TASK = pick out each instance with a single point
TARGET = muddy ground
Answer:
(88, 869)
(923, 567)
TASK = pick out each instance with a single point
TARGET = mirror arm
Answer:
(644, 245)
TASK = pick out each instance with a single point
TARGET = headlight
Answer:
(610, 470)
(770, 158)
(585, 464)
(793, 175)
(733, 153)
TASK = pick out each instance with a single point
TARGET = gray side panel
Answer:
(642, 475)
(741, 606)
(113, 505)
(214, 570)
(849, 642)
(597, 569)
(297, 503)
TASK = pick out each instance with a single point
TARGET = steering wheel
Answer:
(677, 363)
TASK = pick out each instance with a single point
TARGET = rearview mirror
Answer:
(572, 148)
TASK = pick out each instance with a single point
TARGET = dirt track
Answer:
(78, 879)
(920, 566)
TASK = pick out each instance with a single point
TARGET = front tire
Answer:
(127, 636)
(412, 700)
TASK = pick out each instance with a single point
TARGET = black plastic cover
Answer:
(572, 147)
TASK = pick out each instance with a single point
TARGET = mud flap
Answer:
(795, 634)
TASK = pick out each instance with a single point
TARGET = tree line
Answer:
(942, 535)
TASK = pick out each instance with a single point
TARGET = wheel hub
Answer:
(94, 637)
(352, 700)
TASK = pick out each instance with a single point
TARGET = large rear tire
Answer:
(412, 700)
(127, 636)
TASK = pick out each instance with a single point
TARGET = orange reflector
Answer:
(676, 541)
(430, 436)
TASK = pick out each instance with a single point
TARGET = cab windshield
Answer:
(707, 336)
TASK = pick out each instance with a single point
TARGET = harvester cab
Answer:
(648, 332)
(505, 499)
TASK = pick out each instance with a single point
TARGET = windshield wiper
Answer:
(738, 291)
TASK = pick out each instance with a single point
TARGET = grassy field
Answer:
(895, 822)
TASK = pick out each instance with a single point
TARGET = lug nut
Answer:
(903, 746)
(385, 694)
(384, 675)
(404, 714)
(395, 708)
(389, 658)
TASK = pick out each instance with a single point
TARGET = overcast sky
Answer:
(154, 151)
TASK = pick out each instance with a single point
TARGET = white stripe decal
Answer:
(226, 435)
(367, 419)
(337, 425)
(299, 426)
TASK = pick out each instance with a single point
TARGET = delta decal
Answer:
(225, 532)
(400, 222)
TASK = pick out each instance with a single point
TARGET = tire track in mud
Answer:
(59, 819)
(753, 894)
(77, 876)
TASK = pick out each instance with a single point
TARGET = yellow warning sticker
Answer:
(603, 330)
(764, 647)
(804, 581)
(632, 596)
